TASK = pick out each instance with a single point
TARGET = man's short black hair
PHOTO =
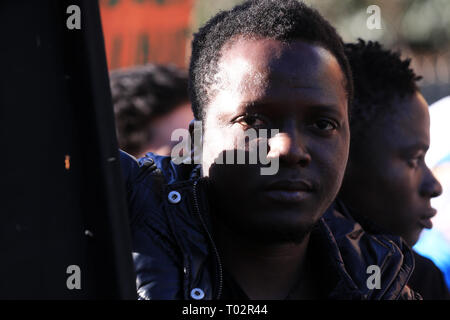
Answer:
(284, 20)
(141, 94)
(380, 76)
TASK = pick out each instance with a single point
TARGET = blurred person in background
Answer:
(387, 186)
(150, 102)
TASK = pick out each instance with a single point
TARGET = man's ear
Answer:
(191, 127)
(196, 134)
(191, 134)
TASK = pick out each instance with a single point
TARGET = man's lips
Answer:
(290, 191)
(425, 220)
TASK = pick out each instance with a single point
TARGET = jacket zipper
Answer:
(219, 263)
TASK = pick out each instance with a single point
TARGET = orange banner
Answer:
(141, 31)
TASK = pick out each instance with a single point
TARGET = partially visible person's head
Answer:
(150, 102)
(387, 179)
(272, 64)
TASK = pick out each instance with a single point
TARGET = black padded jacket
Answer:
(175, 255)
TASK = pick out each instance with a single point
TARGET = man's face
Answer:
(394, 186)
(299, 89)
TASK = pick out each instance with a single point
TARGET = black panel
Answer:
(55, 103)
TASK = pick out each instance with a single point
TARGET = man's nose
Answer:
(290, 148)
(431, 186)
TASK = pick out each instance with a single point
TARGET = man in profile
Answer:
(387, 185)
(225, 231)
(150, 101)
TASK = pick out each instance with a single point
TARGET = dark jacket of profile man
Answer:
(226, 231)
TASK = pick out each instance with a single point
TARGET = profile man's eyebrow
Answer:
(417, 146)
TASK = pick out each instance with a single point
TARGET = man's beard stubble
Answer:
(259, 231)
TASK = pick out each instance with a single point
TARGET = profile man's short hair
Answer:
(380, 75)
(284, 20)
(141, 94)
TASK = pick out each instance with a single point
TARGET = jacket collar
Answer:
(359, 249)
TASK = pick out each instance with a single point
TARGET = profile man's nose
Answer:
(437, 190)
(432, 187)
(289, 148)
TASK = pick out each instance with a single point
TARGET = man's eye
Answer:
(252, 120)
(414, 162)
(325, 125)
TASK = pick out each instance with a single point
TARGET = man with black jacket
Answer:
(388, 186)
(229, 231)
